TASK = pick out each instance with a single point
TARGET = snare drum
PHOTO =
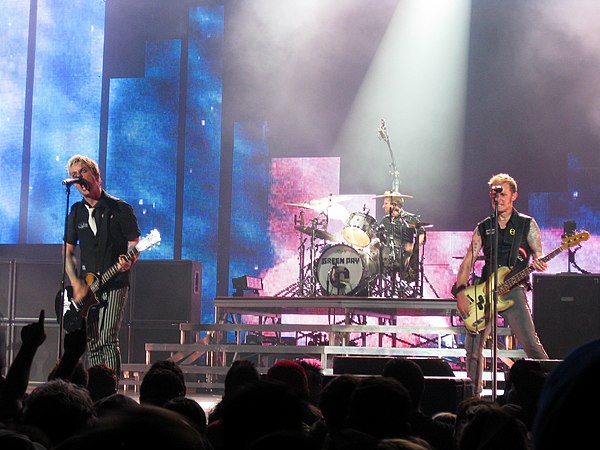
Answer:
(343, 270)
(360, 229)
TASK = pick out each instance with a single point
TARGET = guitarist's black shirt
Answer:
(506, 236)
(116, 225)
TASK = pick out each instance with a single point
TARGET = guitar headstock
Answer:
(570, 241)
(150, 240)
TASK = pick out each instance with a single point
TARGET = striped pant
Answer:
(103, 325)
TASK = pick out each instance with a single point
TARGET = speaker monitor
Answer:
(444, 394)
(373, 365)
(36, 285)
(5, 287)
(566, 311)
(167, 290)
(134, 337)
(5, 343)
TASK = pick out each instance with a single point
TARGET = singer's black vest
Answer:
(506, 237)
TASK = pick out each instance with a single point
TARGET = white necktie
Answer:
(91, 219)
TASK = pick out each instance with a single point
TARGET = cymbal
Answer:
(393, 194)
(299, 205)
(330, 199)
(479, 258)
(420, 225)
(320, 204)
(320, 234)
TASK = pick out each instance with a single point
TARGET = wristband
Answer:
(457, 289)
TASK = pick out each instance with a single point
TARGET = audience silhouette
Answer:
(141, 427)
(567, 414)
(164, 381)
(102, 381)
(78, 408)
(492, 427)
(380, 407)
(293, 375)
(58, 408)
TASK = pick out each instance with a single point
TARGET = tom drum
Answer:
(360, 229)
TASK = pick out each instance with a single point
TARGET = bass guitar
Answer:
(74, 311)
(481, 295)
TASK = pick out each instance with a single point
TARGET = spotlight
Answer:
(247, 286)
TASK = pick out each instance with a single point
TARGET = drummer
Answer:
(399, 234)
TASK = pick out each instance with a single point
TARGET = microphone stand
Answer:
(63, 286)
(495, 302)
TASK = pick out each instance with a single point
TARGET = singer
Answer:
(518, 239)
(105, 228)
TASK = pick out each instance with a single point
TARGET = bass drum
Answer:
(344, 270)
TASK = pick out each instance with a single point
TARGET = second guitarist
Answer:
(105, 228)
(519, 240)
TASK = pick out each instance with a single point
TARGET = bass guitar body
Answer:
(480, 302)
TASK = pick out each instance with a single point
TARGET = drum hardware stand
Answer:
(306, 283)
(296, 289)
(377, 285)
(399, 286)
(422, 275)
(313, 239)
(301, 250)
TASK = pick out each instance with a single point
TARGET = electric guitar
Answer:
(74, 311)
(481, 295)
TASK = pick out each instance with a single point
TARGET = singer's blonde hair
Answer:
(502, 178)
(93, 165)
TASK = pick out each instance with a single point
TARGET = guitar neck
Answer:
(113, 270)
(513, 281)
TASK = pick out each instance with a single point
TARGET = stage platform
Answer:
(337, 306)
(318, 328)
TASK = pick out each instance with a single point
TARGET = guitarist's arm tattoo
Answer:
(534, 239)
(466, 266)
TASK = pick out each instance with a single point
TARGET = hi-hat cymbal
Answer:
(320, 234)
(420, 225)
(393, 195)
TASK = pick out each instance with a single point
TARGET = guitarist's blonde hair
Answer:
(502, 178)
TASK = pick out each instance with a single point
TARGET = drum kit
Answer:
(368, 259)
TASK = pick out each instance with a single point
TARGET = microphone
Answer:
(382, 131)
(72, 181)
(496, 189)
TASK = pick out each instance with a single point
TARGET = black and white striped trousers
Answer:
(103, 325)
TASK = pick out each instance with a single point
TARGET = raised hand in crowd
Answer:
(17, 378)
(74, 348)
